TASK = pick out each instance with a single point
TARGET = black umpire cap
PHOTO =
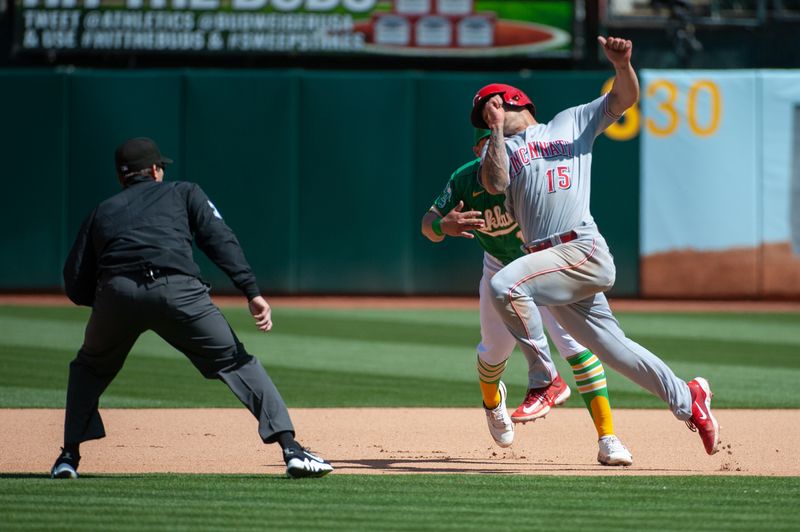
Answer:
(138, 154)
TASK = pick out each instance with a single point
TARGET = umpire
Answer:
(132, 263)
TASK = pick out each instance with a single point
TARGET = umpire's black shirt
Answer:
(150, 225)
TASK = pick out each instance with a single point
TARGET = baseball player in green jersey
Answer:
(464, 209)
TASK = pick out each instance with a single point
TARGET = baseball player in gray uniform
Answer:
(472, 213)
(545, 172)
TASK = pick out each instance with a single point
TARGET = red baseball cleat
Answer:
(702, 420)
(538, 401)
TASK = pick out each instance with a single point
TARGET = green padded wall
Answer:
(353, 208)
(105, 108)
(240, 146)
(33, 150)
(323, 175)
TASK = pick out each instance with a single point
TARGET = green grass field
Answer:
(395, 358)
(397, 502)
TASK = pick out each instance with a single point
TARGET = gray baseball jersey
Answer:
(550, 170)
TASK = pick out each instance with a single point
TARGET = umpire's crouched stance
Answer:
(132, 263)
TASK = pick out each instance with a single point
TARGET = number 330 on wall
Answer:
(667, 117)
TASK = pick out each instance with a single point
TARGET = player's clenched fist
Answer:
(493, 113)
(617, 50)
(457, 223)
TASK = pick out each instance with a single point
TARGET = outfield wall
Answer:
(323, 175)
(721, 184)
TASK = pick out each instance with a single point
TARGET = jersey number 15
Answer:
(558, 177)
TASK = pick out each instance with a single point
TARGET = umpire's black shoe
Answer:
(66, 465)
(302, 464)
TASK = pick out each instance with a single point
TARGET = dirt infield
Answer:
(404, 441)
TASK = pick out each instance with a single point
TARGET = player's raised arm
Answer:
(625, 91)
(505, 111)
(494, 170)
(494, 167)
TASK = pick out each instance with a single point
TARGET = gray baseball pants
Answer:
(178, 308)
(570, 279)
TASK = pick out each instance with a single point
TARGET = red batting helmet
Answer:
(511, 96)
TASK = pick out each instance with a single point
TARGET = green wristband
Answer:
(437, 226)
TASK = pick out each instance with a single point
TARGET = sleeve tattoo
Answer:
(494, 170)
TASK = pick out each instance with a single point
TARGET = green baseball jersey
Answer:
(501, 236)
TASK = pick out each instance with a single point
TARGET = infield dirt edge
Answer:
(404, 441)
(444, 302)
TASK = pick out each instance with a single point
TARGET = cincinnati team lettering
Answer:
(539, 149)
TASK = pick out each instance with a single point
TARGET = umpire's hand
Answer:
(261, 311)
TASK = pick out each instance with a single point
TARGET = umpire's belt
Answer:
(550, 241)
(146, 274)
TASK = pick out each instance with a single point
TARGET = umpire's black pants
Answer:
(179, 309)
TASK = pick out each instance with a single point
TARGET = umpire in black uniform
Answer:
(132, 263)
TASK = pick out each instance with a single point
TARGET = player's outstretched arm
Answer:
(427, 227)
(454, 223)
(625, 91)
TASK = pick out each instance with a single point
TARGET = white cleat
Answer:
(66, 465)
(63, 470)
(613, 453)
(500, 426)
(303, 464)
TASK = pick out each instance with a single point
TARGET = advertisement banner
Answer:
(423, 28)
